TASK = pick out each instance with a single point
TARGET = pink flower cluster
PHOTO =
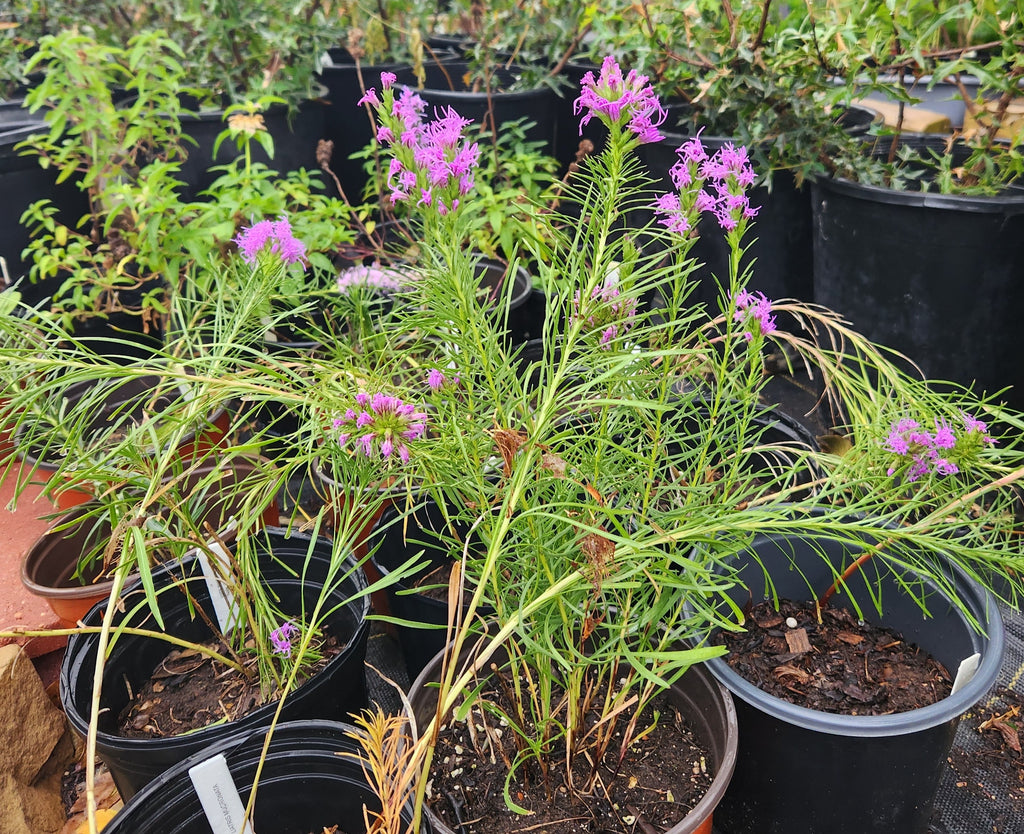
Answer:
(281, 638)
(373, 277)
(432, 162)
(924, 452)
(381, 425)
(606, 310)
(436, 380)
(716, 184)
(628, 102)
(276, 233)
(754, 307)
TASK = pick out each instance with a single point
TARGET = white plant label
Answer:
(225, 606)
(968, 666)
(219, 796)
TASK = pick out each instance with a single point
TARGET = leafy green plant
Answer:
(898, 50)
(124, 155)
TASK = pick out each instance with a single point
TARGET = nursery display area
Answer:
(489, 418)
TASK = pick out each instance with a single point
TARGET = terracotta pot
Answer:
(50, 569)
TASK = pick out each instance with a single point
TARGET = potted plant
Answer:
(921, 199)
(112, 267)
(587, 492)
(582, 474)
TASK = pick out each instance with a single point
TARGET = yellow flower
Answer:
(249, 123)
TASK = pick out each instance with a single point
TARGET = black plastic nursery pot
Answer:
(338, 689)
(936, 277)
(704, 705)
(802, 771)
(780, 242)
(22, 182)
(308, 783)
(295, 132)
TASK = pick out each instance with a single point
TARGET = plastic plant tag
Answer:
(968, 666)
(219, 796)
(225, 606)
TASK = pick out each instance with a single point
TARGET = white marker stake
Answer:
(968, 666)
(225, 606)
(219, 796)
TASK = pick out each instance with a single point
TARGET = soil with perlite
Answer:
(827, 660)
(661, 777)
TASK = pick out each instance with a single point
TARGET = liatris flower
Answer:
(278, 233)
(754, 307)
(374, 277)
(433, 163)
(624, 102)
(941, 452)
(380, 425)
(714, 184)
(281, 638)
(606, 310)
(436, 380)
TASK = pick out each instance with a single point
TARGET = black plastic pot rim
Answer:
(1008, 204)
(254, 721)
(874, 726)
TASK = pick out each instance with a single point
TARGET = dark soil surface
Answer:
(189, 690)
(993, 769)
(662, 776)
(836, 665)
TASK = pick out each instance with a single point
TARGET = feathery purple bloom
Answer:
(281, 638)
(381, 425)
(628, 101)
(278, 233)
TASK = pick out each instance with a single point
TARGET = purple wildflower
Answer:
(381, 425)
(387, 80)
(435, 379)
(278, 233)
(607, 311)
(432, 162)
(714, 184)
(374, 277)
(281, 638)
(628, 102)
(369, 97)
(754, 307)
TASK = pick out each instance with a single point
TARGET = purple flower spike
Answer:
(281, 638)
(628, 101)
(754, 307)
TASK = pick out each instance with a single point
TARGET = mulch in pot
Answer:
(189, 690)
(833, 663)
(662, 776)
